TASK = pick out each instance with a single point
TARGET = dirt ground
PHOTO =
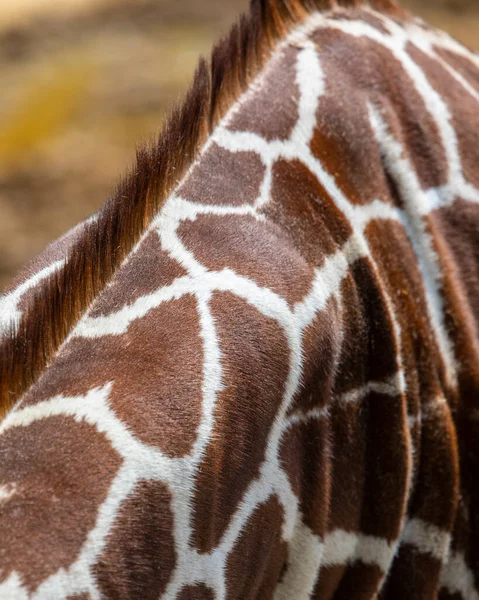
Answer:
(84, 80)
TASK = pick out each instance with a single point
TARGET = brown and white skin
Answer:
(254, 374)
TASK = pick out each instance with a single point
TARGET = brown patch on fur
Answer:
(299, 204)
(305, 456)
(139, 557)
(56, 494)
(196, 592)
(321, 349)
(254, 249)
(223, 177)
(92, 261)
(254, 565)
(380, 353)
(280, 89)
(437, 481)
(255, 363)
(348, 447)
(327, 583)
(445, 594)
(412, 575)
(343, 139)
(368, 434)
(151, 396)
(387, 466)
(149, 269)
(360, 581)
(352, 361)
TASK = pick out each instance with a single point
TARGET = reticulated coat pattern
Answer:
(276, 393)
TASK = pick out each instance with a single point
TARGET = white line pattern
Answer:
(308, 553)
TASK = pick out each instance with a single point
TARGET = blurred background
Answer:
(84, 80)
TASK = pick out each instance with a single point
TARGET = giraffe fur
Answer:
(273, 394)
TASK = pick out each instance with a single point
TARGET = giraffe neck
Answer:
(264, 400)
(92, 254)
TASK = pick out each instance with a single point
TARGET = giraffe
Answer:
(254, 373)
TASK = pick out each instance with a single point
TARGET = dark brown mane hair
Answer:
(63, 298)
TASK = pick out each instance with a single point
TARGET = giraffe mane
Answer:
(60, 301)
